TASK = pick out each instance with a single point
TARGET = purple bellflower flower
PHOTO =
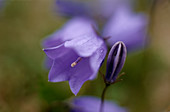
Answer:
(127, 27)
(92, 104)
(76, 53)
(115, 61)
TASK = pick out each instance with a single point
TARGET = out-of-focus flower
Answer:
(115, 61)
(122, 25)
(106, 8)
(92, 104)
(127, 27)
(2, 4)
(94, 8)
(72, 8)
(76, 53)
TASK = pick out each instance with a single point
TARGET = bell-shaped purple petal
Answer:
(115, 61)
(128, 27)
(92, 104)
(72, 8)
(48, 63)
(86, 45)
(77, 54)
(72, 29)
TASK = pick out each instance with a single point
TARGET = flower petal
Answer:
(82, 73)
(74, 28)
(72, 8)
(92, 104)
(127, 27)
(108, 7)
(52, 40)
(85, 45)
(48, 62)
(87, 68)
(55, 52)
(97, 58)
(61, 69)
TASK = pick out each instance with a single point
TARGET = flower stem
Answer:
(103, 97)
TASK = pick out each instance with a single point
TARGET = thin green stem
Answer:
(103, 97)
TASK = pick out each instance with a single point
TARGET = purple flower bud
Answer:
(115, 61)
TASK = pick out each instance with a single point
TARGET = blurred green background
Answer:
(24, 85)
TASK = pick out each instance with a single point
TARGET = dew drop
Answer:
(101, 50)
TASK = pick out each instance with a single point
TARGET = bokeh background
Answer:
(24, 85)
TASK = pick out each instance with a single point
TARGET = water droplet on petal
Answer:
(101, 50)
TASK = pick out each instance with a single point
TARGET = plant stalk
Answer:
(103, 97)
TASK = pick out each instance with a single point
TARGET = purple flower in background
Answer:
(115, 61)
(2, 4)
(92, 104)
(122, 25)
(106, 8)
(127, 27)
(94, 8)
(76, 53)
(72, 8)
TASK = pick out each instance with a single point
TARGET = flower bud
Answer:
(115, 61)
